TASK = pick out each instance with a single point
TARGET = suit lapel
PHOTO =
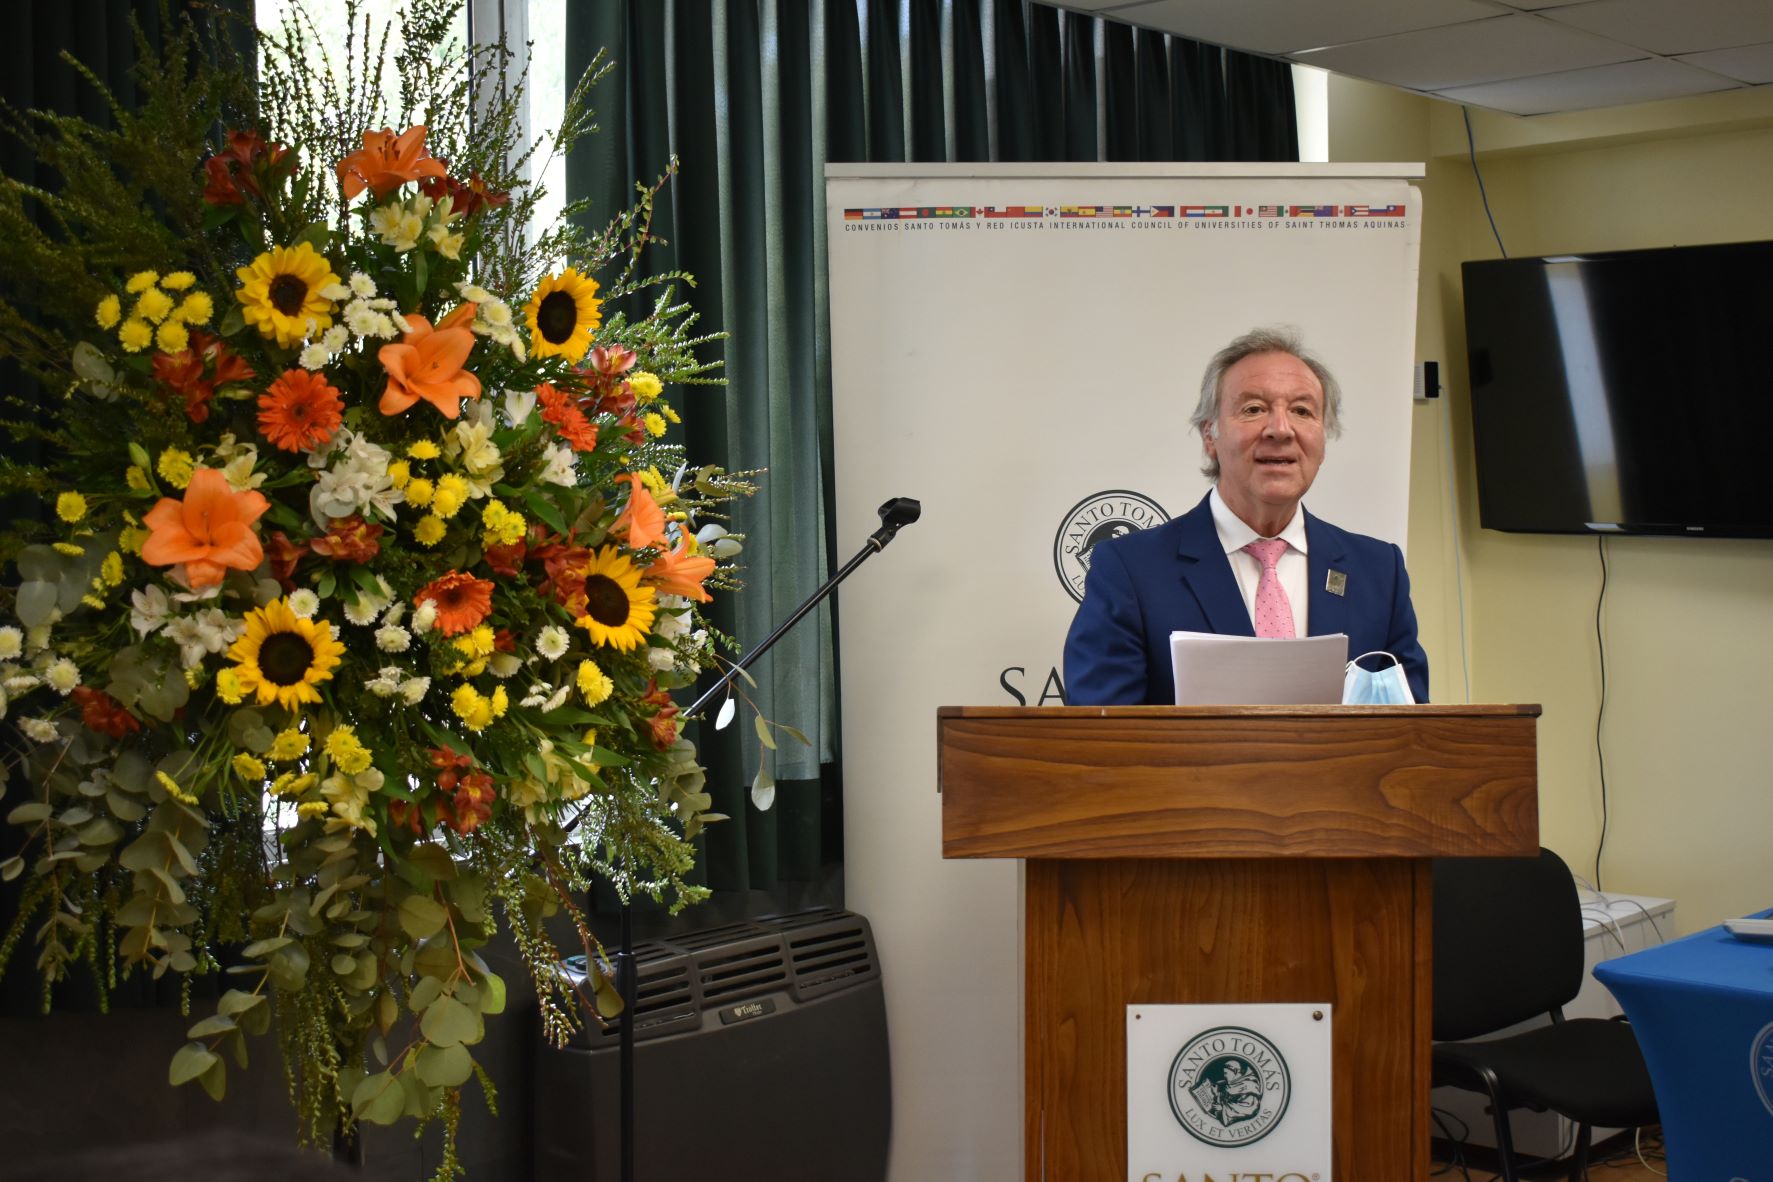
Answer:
(1325, 552)
(1207, 574)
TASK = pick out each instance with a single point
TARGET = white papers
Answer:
(1214, 670)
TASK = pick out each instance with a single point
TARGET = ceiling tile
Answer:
(1747, 63)
(1599, 86)
(1536, 5)
(1477, 51)
(1662, 26)
(1289, 26)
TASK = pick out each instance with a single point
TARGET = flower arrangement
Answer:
(348, 629)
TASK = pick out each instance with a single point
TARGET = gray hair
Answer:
(1250, 344)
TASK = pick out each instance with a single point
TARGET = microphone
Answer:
(894, 515)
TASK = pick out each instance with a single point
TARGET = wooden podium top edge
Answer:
(1427, 710)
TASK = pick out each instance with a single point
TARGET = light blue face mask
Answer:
(1387, 687)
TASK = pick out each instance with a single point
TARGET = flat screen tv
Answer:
(1623, 392)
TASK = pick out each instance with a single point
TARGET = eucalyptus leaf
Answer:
(11, 869)
(421, 916)
(37, 603)
(728, 708)
(235, 1002)
(445, 1066)
(212, 1025)
(30, 813)
(447, 1022)
(189, 1062)
(763, 790)
(378, 1099)
(215, 1080)
(763, 732)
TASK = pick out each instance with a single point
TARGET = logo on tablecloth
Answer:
(1229, 1086)
(1093, 520)
(1760, 1064)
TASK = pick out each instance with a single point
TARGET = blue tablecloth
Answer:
(1702, 1008)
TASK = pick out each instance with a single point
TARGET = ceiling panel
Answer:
(1599, 86)
(1665, 26)
(1465, 54)
(1287, 26)
(1748, 63)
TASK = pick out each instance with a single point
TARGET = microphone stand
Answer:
(894, 515)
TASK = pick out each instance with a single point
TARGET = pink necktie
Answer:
(1274, 614)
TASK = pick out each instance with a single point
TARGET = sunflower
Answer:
(280, 293)
(300, 411)
(618, 610)
(282, 657)
(562, 315)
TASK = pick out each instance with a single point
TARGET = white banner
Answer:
(1021, 353)
(1229, 1091)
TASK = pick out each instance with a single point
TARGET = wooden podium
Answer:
(1232, 854)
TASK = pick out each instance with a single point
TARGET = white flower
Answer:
(474, 293)
(400, 321)
(557, 699)
(672, 620)
(150, 609)
(208, 631)
(552, 642)
(558, 465)
(386, 682)
(239, 470)
(334, 292)
(425, 618)
(314, 357)
(413, 690)
(364, 609)
(519, 405)
(39, 730)
(503, 665)
(397, 225)
(5, 701)
(356, 482)
(360, 319)
(21, 683)
(12, 642)
(538, 693)
(660, 658)
(391, 638)
(336, 338)
(37, 639)
(304, 603)
(362, 286)
(62, 675)
(496, 313)
(394, 612)
(717, 542)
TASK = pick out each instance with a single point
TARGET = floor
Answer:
(1616, 1162)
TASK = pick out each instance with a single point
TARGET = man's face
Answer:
(1270, 438)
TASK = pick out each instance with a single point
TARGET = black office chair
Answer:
(1508, 947)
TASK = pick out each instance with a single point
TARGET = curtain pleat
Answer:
(761, 94)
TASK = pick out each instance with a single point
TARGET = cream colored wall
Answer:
(1688, 624)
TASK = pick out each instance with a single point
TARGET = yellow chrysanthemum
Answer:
(175, 467)
(655, 424)
(312, 810)
(173, 788)
(670, 415)
(618, 610)
(135, 335)
(178, 281)
(476, 643)
(562, 315)
(424, 449)
(141, 281)
(347, 751)
(111, 569)
(503, 527)
(70, 507)
(645, 386)
(280, 293)
(249, 767)
(418, 492)
(474, 708)
(108, 312)
(172, 337)
(290, 743)
(130, 540)
(399, 472)
(135, 478)
(593, 683)
(451, 495)
(282, 657)
(195, 308)
(153, 304)
(71, 549)
(429, 531)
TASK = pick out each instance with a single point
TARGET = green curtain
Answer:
(754, 97)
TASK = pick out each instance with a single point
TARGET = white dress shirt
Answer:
(1292, 568)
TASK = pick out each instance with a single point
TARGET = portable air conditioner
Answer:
(760, 1051)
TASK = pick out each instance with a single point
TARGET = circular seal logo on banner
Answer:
(1229, 1086)
(1095, 519)
(1760, 1064)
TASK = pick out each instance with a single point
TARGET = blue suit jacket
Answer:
(1175, 578)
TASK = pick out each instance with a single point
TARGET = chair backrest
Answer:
(1508, 943)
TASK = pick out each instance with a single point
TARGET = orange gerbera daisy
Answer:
(579, 432)
(427, 363)
(462, 600)
(681, 570)
(209, 532)
(386, 162)
(300, 411)
(643, 520)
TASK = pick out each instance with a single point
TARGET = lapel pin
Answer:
(1336, 583)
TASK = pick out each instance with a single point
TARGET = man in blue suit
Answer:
(1265, 410)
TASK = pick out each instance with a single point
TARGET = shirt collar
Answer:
(1234, 535)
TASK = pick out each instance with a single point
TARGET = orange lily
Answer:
(427, 363)
(643, 519)
(680, 571)
(386, 162)
(210, 531)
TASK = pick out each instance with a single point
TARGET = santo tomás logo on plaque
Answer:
(1229, 1086)
(1093, 520)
